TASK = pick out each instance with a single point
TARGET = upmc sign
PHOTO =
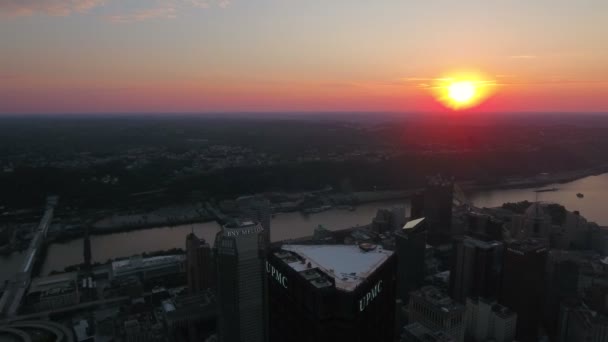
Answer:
(370, 296)
(276, 275)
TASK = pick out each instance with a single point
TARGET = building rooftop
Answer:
(528, 245)
(480, 243)
(348, 265)
(413, 223)
(139, 262)
(55, 284)
(424, 334)
(502, 311)
(437, 298)
(241, 227)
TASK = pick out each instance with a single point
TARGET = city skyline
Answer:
(167, 56)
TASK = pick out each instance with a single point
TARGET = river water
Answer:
(293, 225)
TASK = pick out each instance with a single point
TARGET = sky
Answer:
(108, 56)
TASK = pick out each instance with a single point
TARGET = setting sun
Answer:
(463, 90)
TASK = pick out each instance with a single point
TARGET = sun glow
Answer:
(462, 91)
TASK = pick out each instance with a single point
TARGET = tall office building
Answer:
(523, 284)
(411, 248)
(476, 268)
(435, 310)
(257, 208)
(435, 204)
(489, 321)
(562, 275)
(199, 264)
(331, 293)
(239, 261)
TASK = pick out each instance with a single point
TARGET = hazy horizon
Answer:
(100, 56)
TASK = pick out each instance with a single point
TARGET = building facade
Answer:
(411, 253)
(523, 284)
(578, 323)
(239, 260)
(476, 269)
(435, 204)
(488, 320)
(199, 264)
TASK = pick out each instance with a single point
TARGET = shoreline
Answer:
(363, 197)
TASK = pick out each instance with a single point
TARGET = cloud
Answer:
(166, 12)
(167, 9)
(46, 7)
(159, 9)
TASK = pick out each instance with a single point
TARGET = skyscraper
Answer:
(435, 204)
(329, 293)
(562, 275)
(476, 269)
(411, 248)
(239, 260)
(199, 264)
(523, 284)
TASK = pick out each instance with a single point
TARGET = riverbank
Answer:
(198, 213)
(536, 181)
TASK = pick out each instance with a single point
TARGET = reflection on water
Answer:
(293, 225)
(591, 206)
(104, 247)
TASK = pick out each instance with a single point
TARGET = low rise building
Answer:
(435, 310)
(147, 268)
(488, 320)
(53, 292)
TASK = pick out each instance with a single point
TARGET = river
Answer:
(293, 225)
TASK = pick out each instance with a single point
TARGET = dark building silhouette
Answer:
(523, 284)
(562, 283)
(579, 323)
(411, 249)
(239, 262)
(329, 293)
(476, 268)
(435, 204)
(199, 264)
(484, 227)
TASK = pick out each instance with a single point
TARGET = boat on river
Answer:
(546, 190)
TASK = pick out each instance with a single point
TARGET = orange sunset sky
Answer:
(99, 56)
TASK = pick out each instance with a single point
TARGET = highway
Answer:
(17, 287)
